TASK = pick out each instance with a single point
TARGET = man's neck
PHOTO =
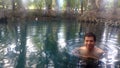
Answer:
(90, 51)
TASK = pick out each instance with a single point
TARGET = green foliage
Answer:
(48, 3)
(119, 3)
(39, 3)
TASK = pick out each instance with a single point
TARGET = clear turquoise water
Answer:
(48, 44)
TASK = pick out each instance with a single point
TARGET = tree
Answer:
(48, 4)
(115, 6)
(17, 4)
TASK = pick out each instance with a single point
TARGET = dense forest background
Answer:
(79, 9)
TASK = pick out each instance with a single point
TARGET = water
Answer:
(48, 44)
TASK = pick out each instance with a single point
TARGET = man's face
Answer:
(89, 43)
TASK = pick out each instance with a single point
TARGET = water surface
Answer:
(48, 44)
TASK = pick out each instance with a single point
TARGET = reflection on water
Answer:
(48, 44)
(110, 41)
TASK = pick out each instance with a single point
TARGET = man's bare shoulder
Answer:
(76, 51)
(99, 50)
(82, 48)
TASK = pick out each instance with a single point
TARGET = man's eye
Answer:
(91, 41)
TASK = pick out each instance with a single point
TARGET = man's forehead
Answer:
(89, 37)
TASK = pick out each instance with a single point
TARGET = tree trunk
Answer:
(13, 5)
(68, 6)
(86, 4)
(48, 7)
(93, 4)
(81, 7)
(115, 5)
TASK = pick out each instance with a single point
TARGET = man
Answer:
(89, 50)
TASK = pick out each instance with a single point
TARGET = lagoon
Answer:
(48, 44)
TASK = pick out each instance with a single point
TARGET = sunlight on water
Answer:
(109, 41)
(10, 53)
(30, 46)
(61, 39)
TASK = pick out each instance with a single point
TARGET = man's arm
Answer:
(76, 52)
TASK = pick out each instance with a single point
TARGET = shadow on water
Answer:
(48, 44)
(3, 20)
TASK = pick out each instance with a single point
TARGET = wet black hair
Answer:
(90, 34)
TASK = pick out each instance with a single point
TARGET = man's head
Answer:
(89, 41)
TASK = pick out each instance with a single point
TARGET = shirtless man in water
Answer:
(89, 50)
